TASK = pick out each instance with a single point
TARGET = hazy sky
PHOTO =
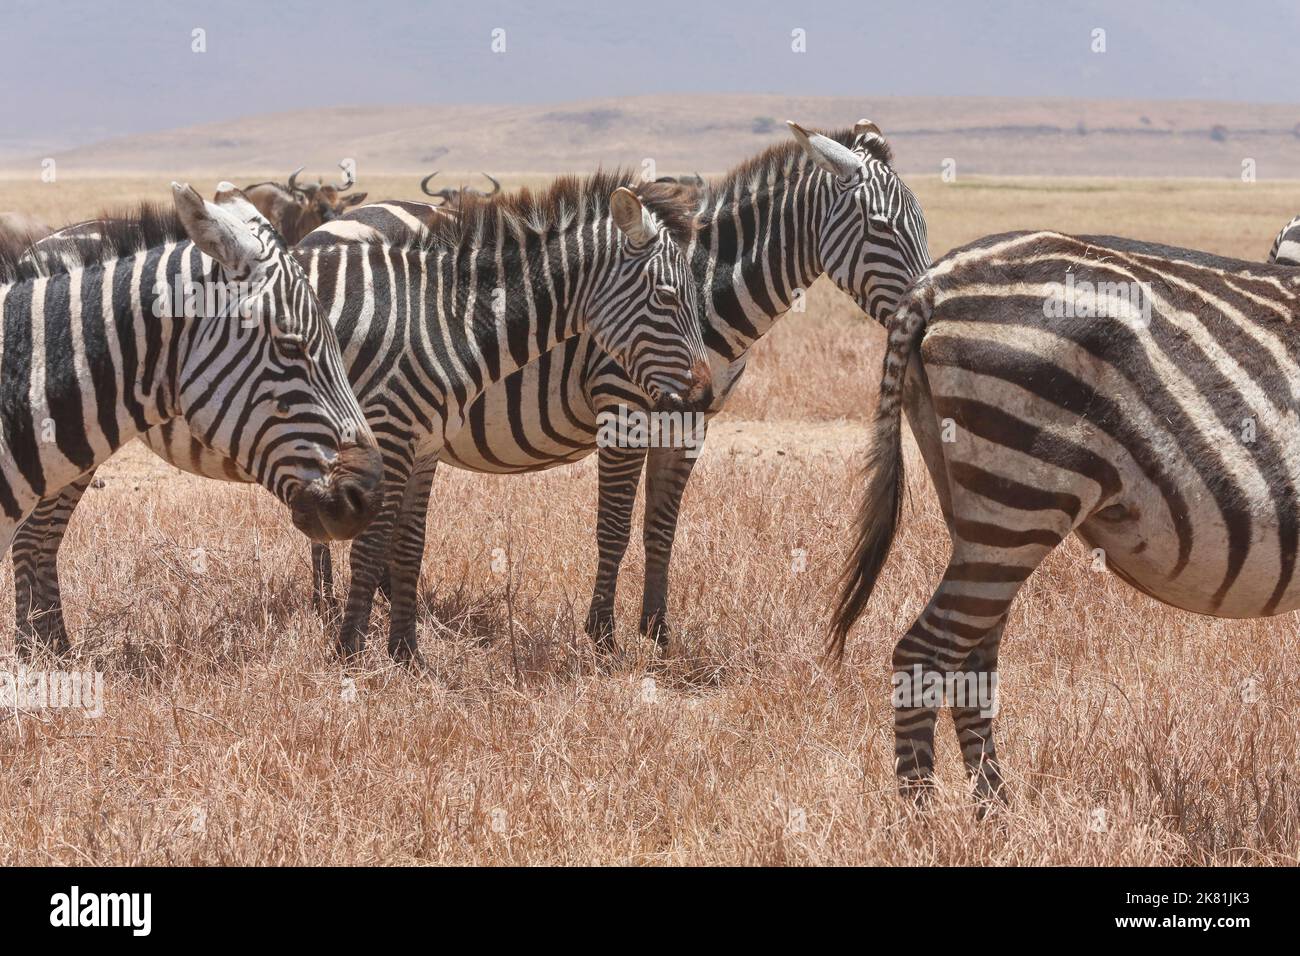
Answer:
(81, 70)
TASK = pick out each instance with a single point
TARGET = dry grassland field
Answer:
(1131, 733)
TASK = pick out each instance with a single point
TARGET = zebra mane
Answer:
(122, 233)
(551, 209)
(784, 156)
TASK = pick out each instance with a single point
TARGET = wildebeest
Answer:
(451, 195)
(697, 180)
(295, 209)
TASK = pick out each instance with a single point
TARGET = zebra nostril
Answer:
(355, 498)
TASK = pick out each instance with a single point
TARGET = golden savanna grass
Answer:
(232, 736)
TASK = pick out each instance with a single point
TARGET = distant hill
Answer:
(708, 133)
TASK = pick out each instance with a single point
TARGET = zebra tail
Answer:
(882, 500)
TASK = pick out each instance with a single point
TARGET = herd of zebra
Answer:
(367, 342)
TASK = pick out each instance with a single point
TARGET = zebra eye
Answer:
(284, 406)
(292, 345)
(667, 297)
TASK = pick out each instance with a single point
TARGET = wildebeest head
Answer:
(697, 180)
(326, 200)
(295, 208)
(452, 195)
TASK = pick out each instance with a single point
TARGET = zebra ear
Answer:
(233, 200)
(217, 233)
(631, 217)
(840, 161)
(864, 126)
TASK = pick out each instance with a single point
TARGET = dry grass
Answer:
(231, 736)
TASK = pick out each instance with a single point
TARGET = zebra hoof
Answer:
(600, 628)
(916, 791)
(50, 639)
(990, 797)
(410, 659)
(656, 626)
(349, 648)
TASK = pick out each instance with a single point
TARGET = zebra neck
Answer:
(155, 323)
(521, 297)
(757, 252)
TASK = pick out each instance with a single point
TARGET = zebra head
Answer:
(644, 310)
(873, 241)
(262, 379)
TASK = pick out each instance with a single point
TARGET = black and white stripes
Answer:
(428, 320)
(93, 353)
(1286, 247)
(1143, 397)
(764, 233)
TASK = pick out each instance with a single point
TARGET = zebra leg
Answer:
(1003, 530)
(403, 568)
(38, 603)
(975, 724)
(367, 558)
(620, 472)
(666, 478)
(322, 582)
(970, 603)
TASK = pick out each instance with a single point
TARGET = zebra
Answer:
(1286, 247)
(849, 215)
(428, 320)
(98, 350)
(818, 203)
(1140, 396)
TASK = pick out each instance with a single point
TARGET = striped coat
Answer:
(428, 321)
(101, 344)
(1144, 397)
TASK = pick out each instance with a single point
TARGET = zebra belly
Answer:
(1170, 497)
(1257, 589)
(537, 418)
(545, 414)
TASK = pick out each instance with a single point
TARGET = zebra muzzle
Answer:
(698, 395)
(341, 504)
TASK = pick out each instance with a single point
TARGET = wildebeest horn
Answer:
(496, 186)
(348, 179)
(293, 179)
(424, 184)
